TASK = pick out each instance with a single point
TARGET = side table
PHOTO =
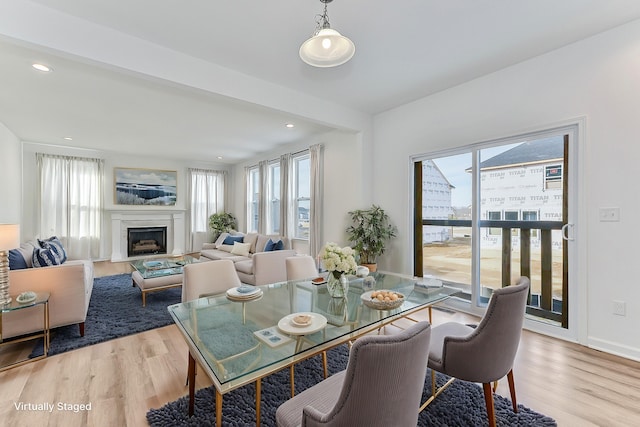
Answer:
(41, 300)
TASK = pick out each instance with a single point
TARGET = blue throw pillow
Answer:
(43, 257)
(55, 245)
(273, 246)
(16, 260)
(230, 240)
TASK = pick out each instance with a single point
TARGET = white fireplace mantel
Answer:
(121, 220)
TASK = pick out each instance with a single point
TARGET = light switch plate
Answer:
(609, 214)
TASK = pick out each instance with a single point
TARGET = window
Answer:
(71, 202)
(494, 216)
(277, 202)
(253, 195)
(531, 216)
(302, 195)
(553, 177)
(512, 216)
(207, 197)
(273, 199)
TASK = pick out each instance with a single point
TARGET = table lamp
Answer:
(9, 239)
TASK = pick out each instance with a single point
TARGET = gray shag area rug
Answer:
(462, 404)
(115, 310)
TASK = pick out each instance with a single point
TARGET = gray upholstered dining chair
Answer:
(208, 278)
(484, 353)
(381, 386)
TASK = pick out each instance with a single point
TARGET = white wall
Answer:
(10, 173)
(597, 78)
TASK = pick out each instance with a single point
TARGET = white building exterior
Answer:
(523, 184)
(436, 202)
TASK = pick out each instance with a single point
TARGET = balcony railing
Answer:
(545, 309)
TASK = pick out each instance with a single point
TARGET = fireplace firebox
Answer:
(146, 240)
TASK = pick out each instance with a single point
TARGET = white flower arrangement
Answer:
(338, 260)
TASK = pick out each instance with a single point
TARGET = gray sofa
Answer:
(257, 267)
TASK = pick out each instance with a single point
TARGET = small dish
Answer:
(286, 325)
(301, 320)
(26, 297)
(245, 289)
(318, 280)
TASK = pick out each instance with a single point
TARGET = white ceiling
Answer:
(106, 97)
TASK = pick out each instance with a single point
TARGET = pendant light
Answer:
(327, 47)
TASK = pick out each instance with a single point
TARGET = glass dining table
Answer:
(237, 341)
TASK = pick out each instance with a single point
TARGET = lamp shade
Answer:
(328, 48)
(9, 236)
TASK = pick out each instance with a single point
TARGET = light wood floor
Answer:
(123, 378)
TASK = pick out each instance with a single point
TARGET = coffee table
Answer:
(157, 274)
(233, 354)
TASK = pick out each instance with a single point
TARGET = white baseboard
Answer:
(614, 348)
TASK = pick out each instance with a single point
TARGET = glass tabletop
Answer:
(158, 267)
(239, 342)
(18, 304)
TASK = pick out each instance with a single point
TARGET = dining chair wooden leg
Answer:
(488, 399)
(512, 390)
(195, 371)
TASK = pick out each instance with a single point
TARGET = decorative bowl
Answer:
(373, 302)
(26, 297)
(362, 271)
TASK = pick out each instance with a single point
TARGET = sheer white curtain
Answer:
(263, 202)
(207, 196)
(317, 201)
(70, 199)
(286, 196)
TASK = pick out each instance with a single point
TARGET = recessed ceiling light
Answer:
(42, 67)
(219, 157)
(289, 125)
(68, 138)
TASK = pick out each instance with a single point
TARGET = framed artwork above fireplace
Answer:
(145, 187)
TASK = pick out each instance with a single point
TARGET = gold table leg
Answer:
(47, 336)
(324, 364)
(292, 379)
(258, 399)
(218, 408)
(244, 312)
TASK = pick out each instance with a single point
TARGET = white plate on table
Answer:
(235, 295)
(286, 325)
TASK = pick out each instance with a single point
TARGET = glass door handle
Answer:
(565, 232)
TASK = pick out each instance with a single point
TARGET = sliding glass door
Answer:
(492, 212)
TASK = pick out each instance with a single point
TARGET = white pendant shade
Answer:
(328, 48)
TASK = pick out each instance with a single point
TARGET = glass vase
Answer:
(337, 284)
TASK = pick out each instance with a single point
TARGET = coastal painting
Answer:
(144, 187)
